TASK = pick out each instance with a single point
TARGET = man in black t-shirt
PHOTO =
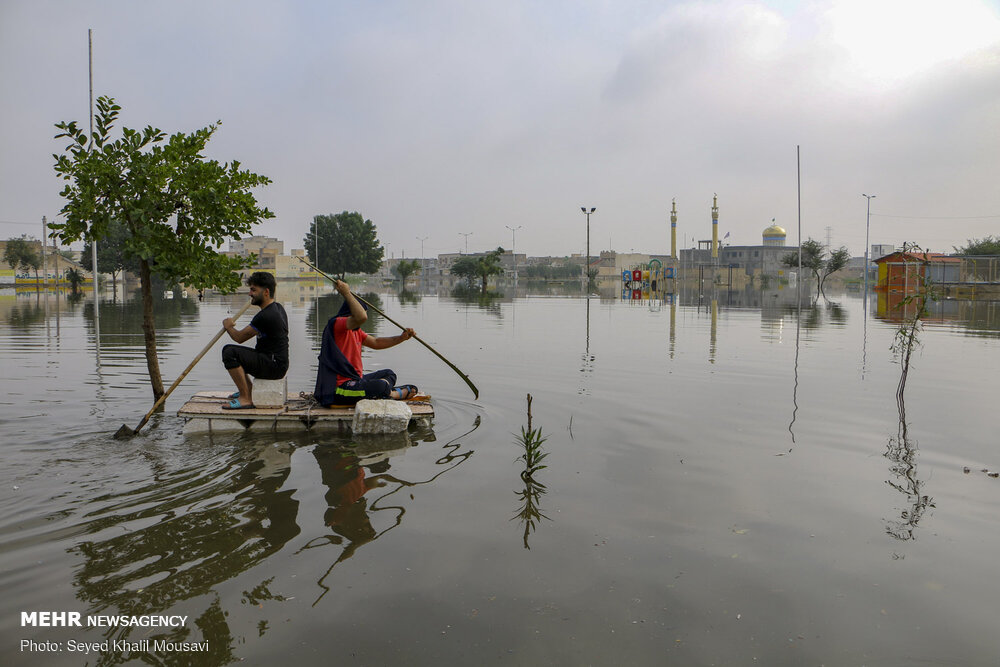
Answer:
(269, 359)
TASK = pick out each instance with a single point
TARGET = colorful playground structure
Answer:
(646, 281)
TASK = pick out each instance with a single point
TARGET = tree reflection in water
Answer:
(902, 454)
(183, 534)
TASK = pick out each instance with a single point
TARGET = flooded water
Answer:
(730, 481)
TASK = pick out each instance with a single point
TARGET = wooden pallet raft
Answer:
(203, 413)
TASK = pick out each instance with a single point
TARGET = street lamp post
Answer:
(587, 213)
(422, 263)
(868, 220)
(513, 247)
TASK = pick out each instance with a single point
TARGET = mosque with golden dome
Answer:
(774, 235)
(763, 259)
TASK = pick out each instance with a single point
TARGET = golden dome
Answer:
(774, 230)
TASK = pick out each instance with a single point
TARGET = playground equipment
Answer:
(646, 281)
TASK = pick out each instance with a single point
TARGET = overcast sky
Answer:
(444, 118)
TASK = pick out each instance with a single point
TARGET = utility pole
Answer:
(45, 231)
(828, 230)
(587, 267)
(423, 264)
(55, 260)
(466, 240)
(93, 241)
(868, 220)
(513, 247)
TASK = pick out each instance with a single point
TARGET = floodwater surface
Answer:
(730, 480)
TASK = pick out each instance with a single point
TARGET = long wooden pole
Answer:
(453, 367)
(125, 431)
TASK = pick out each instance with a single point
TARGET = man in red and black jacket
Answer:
(341, 379)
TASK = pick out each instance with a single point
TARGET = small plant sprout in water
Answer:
(913, 308)
(531, 439)
(529, 512)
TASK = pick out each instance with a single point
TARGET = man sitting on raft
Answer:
(269, 359)
(341, 379)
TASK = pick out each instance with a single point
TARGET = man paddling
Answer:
(269, 359)
(340, 379)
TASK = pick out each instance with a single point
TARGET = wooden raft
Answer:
(203, 413)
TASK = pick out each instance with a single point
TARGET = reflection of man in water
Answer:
(347, 511)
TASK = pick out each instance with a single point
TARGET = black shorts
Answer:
(257, 364)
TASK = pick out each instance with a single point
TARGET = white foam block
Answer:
(381, 417)
(270, 393)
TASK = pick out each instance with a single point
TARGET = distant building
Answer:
(612, 264)
(905, 271)
(257, 244)
(288, 267)
(55, 267)
(881, 250)
(267, 249)
(764, 259)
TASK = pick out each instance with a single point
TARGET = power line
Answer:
(935, 217)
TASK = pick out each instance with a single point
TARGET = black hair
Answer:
(263, 279)
(345, 309)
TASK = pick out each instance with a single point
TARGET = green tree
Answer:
(814, 258)
(21, 256)
(75, 278)
(347, 244)
(175, 204)
(406, 268)
(481, 267)
(987, 246)
(112, 254)
(549, 272)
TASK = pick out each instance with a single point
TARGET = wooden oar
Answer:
(126, 432)
(453, 367)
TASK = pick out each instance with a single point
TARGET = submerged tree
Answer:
(908, 335)
(815, 259)
(175, 205)
(21, 256)
(481, 267)
(112, 253)
(75, 279)
(406, 268)
(347, 244)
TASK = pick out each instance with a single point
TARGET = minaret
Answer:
(715, 226)
(673, 229)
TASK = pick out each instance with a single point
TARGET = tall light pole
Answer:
(868, 220)
(466, 235)
(422, 263)
(587, 213)
(513, 247)
(93, 243)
